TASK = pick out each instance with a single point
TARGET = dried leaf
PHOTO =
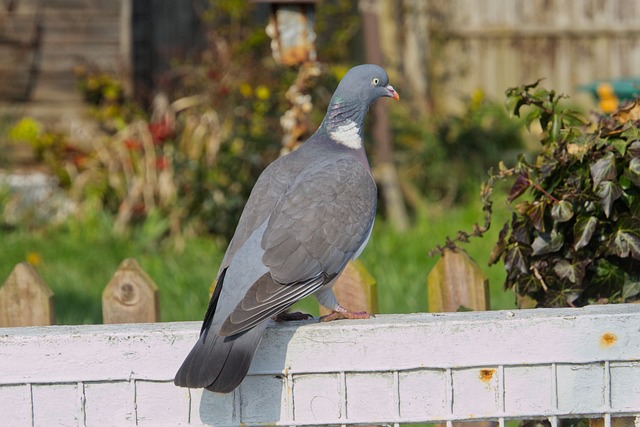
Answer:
(500, 246)
(629, 113)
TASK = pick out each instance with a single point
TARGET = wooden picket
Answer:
(25, 299)
(131, 296)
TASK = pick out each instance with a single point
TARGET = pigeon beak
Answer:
(391, 93)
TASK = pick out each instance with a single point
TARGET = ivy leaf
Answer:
(546, 243)
(619, 144)
(536, 214)
(519, 186)
(631, 287)
(634, 149)
(520, 231)
(500, 246)
(583, 231)
(603, 170)
(535, 114)
(633, 172)
(609, 192)
(562, 212)
(515, 261)
(626, 240)
(572, 272)
(608, 275)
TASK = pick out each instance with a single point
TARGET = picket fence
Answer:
(543, 364)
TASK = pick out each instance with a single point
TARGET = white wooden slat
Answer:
(390, 369)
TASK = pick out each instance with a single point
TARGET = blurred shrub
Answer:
(447, 157)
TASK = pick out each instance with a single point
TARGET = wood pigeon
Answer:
(309, 214)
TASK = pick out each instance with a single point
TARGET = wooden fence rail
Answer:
(526, 364)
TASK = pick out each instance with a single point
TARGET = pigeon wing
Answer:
(316, 228)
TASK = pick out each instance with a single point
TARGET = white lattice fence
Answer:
(546, 363)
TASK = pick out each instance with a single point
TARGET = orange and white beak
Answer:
(391, 93)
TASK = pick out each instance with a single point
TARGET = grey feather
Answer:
(308, 215)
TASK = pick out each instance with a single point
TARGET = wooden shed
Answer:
(42, 41)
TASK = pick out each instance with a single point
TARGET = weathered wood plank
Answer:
(25, 300)
(131, 296)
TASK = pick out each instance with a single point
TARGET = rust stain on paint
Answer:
(608, 339)
(486, 374)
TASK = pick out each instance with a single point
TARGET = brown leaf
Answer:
(628, 113)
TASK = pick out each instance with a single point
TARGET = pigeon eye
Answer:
(375, 81)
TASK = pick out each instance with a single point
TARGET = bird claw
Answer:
(339, 314)
(297, 315)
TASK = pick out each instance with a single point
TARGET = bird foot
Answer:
(297, 315)
(342, 313)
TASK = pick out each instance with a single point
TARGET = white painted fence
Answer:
(545, 363)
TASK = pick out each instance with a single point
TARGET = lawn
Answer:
(78, 259)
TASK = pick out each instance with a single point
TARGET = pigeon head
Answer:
(358, 89)
(364, 84)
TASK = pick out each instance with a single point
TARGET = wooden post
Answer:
(131, 296)
(25, 299)
(457, 283)
(355, 289)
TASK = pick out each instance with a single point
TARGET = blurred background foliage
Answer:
(165, 175)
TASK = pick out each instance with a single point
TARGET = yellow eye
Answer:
(375, 81)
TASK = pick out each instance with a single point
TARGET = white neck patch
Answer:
(347, 134)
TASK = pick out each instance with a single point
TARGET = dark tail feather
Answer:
(219, 363)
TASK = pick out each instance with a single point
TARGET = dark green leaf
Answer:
(626, 241)
(603, 170)
(634, 149)
(583, 231)
(562, 211)
(608, 275)
(609, 192)
(631, 287)
(574, 272)
(535, 114)
(547, 243)
(619, 144)
(633, 173)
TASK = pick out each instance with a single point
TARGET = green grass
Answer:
(78, 260)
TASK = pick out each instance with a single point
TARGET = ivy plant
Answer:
(574, 235)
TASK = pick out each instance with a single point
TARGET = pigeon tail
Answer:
(215, 362)
(219, 363)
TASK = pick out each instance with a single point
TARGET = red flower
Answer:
(160, 131)
(162, 163)
(132, 144)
